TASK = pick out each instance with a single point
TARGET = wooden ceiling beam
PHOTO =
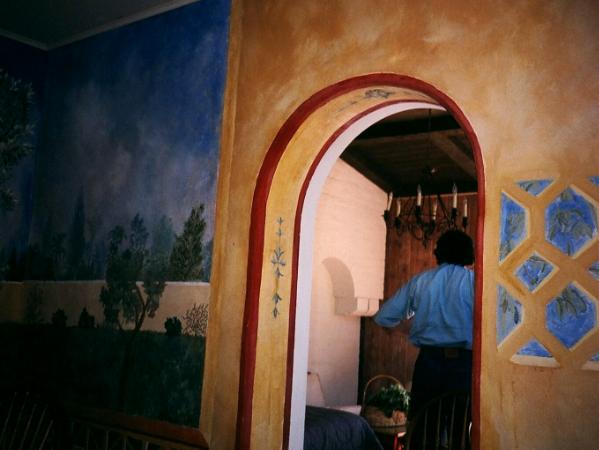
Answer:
(404, 139)
(370, 172)
(454, 152)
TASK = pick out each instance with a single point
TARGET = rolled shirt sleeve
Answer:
(396, 308)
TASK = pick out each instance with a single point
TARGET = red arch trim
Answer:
(256, 241)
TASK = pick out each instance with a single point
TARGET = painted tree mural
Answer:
(129, 261)
(15, 131)
(122, 298)
(187, 258)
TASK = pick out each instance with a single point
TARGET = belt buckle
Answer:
(451, 352)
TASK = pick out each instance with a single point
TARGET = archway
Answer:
(287, 188)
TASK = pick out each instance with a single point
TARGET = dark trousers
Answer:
(438, 371)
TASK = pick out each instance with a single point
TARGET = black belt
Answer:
(445, 352)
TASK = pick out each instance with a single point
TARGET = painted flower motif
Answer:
(278, 262)
(570, 222)
(594, 270)
(570, 301)
(534, 348)
(534, 270)
(534, 187)
(509, 313)
(513, 226)
(377, 93)
(571, 315)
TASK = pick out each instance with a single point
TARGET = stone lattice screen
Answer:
(548, 278)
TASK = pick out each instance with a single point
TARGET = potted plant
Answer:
(393, 401)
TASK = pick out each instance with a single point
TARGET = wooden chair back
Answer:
(25, 422)
(442, 423)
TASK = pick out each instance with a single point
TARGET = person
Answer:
(439, 303)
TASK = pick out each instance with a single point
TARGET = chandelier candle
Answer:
(454, 200)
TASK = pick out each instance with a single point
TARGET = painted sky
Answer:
(132, 121)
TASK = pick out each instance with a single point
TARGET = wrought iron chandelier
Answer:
(426, 213)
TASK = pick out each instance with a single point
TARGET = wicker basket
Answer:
(377, 418)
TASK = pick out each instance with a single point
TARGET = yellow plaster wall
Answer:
(524, 73)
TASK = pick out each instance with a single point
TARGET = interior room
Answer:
(351, 241)
(203, 203)
(361, 257)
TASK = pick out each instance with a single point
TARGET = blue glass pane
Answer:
(534, 348)
(595, 357)
(594, 270)
(534, 270)
(509, 314)
(513, 226)
(570, 222)
(534, 187)
(594, 180)
(571, 315)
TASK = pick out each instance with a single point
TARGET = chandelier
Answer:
(426, 214)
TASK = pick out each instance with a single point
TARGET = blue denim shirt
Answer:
(441, 301)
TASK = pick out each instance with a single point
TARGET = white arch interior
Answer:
(304, 276)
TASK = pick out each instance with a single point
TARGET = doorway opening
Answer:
(360, 256)
(288, 188)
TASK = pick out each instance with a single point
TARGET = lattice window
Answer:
(549, 268)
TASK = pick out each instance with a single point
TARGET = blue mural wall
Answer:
(131, 123)
(120, 186)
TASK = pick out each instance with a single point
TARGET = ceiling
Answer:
(48, 24)
(403, 150)
(396, 154)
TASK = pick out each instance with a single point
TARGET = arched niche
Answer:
(341, 277)
(277, 305)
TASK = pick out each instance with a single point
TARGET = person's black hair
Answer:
(455, 247)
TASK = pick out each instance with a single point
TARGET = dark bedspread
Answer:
(330, 429)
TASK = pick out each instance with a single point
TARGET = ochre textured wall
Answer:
(525, 76)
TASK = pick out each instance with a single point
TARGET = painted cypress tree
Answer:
(187, 258)
(163, 237)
